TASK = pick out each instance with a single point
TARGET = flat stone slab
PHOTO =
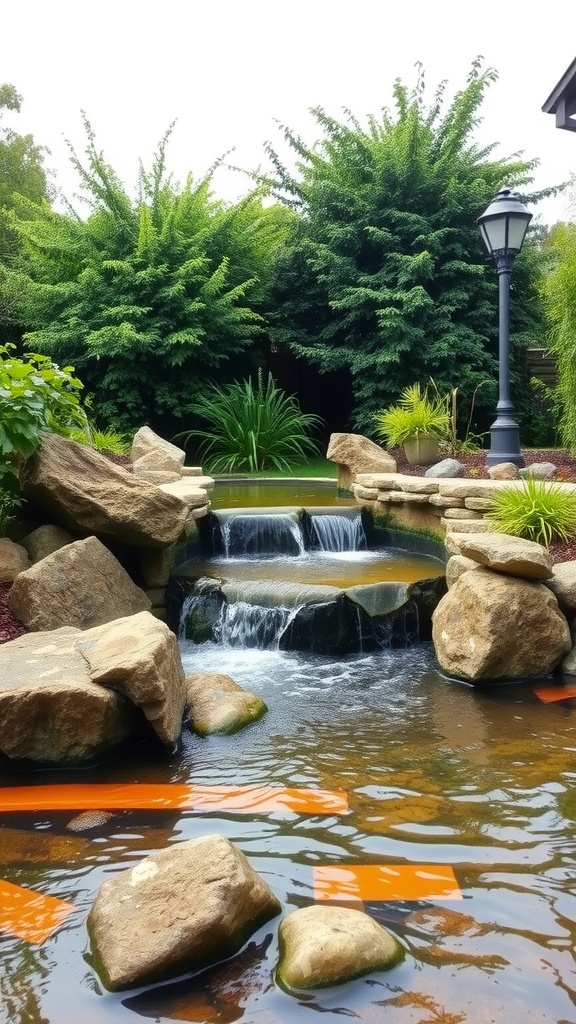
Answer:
(510, 555)
(188, 490)
(466, 525)
(474, 488)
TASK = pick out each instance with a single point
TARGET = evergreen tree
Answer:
(384, 275)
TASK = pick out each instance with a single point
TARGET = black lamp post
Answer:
(503, 227)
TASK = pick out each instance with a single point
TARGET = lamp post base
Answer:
(505, 443)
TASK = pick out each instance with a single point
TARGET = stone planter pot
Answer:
(421, 449)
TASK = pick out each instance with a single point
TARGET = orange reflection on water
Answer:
(548, 694)
(29, 915)
(372, 882)
(256, 799)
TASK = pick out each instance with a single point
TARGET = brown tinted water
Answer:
(336, 569)
(465, 799)
(301, 493)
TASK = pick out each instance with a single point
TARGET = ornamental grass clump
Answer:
(251, 427)
(416, 413)
(537, 511)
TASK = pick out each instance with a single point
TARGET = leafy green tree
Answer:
(384, 276)
(559, 289)
(21, 173)
(149, 298)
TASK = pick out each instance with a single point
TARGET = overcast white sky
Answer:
(226, 69)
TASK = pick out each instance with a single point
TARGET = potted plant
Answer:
(418, 422)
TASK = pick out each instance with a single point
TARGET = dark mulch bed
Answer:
(475, 462)
(10, 627)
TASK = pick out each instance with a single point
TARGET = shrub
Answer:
(537, 511)
(252, 427)
(10, 503)
(36, 397)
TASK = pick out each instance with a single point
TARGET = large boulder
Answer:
(87, 493)
(217, 704)
(81, 585)
(493, 627)
(188, 906)
(145, 442)
(13, 560)
(138, 656)
(51, 711)
(322, 946)
(354, 454)
(110, 670)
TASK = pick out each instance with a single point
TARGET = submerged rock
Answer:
(188, 906)
(322, 946)
(217, 704)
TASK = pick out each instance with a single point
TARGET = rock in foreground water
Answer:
(186, 907)
(322, 946)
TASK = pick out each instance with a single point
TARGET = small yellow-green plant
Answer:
(415, 414)
(537, 510)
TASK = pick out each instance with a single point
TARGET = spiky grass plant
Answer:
(251, 427)
(415, 414)
(102, 440)
(537, 511)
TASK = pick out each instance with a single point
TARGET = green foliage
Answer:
(541, 430)
(148, 297)
(456, 442)
(537, 511)
(415, 414)
(10, 501)
(252, 427)
(559, 289)
(384, 276)
(21, 172)
(109, 441)
(36, 397)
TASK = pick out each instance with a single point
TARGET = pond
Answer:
(447, 812)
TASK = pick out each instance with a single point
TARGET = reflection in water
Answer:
(436, 774)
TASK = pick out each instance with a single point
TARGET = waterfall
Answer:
(338, 533)
(251, 625)
(278, 534)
